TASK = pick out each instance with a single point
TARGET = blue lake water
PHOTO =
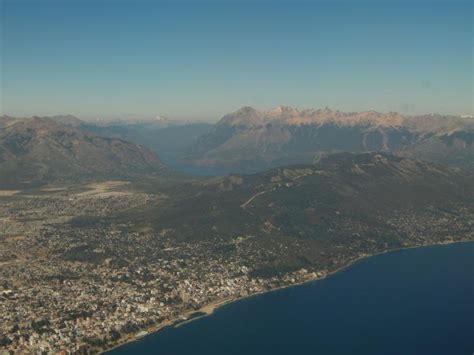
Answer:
(415, 301)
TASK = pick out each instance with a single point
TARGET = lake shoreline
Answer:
(210, 308)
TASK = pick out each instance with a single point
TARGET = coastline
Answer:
(210, 308)
(175, 322)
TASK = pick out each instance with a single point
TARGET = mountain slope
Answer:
(249, 140)
(40, 150)
(455, 148)
(355, 203)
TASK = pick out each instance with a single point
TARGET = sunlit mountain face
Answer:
(250, 140)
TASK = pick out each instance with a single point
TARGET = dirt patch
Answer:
(104, 189)
(8, 192)
(15, 237)
(53, 189)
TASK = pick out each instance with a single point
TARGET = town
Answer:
(72, 286)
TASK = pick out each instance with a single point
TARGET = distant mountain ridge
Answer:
(40, 150)
(248, 140)
(249, 116)
(251, 140)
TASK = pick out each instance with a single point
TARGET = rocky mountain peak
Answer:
(245, 116)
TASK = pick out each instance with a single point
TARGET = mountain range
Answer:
(249, 140)
(63, 148)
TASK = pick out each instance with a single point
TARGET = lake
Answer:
(414, 301)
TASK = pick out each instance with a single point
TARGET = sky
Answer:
(202, 59)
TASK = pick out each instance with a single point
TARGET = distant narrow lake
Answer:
(416, 301)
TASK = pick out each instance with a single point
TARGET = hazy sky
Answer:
(201, 59)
